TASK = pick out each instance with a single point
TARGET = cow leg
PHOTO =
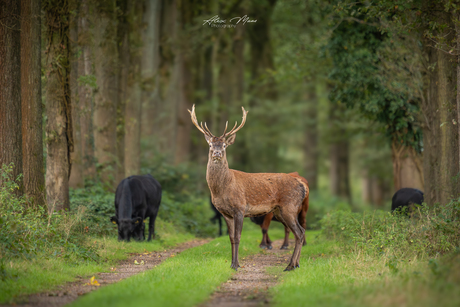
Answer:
(266, 243)
(286, 238)
(152, 226)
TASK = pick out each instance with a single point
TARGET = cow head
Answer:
(128, 228)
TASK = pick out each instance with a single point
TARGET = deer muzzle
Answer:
(216, 156)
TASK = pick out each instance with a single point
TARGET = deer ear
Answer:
(230, 140)
(208, 139)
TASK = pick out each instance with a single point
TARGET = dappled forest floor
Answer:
(135, 264)
(249, 286)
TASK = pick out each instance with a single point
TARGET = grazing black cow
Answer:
(136, 198)
(217, 216)
(406, 197)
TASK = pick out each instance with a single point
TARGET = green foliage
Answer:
(26, 232)
(356, 51)
(429, 232)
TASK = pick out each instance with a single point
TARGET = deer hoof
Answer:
(284, 247)
(289, 268)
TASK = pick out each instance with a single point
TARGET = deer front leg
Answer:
(238, 218)
(231, 234)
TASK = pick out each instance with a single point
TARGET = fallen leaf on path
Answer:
(93, 282)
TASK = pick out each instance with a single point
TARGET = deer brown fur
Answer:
(237, 194)
(266, 242)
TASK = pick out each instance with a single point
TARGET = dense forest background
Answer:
(360, 98)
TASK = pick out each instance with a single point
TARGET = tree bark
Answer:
(133, 108)
(407, 167)
(106, 98)
(59, 141)
(441, 144)
(311, 141)
(457, 30)
(150, 64)
(85, 92)
(31, 101)
(76, 174)
(10, 89)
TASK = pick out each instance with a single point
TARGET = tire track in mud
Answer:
(249, 286)
(67, 293)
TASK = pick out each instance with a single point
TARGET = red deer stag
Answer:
(264, 220)
(237, 194)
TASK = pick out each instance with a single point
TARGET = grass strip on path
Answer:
(184, 280)
(47, 271)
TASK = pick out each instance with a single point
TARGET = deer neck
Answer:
(218, 176)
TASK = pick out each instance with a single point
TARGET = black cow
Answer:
(217, 216)
(406, 197)
(136, 198)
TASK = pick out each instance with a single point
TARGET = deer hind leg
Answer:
(266, 242)
(303, 224)
(290, 220)
(286, 238)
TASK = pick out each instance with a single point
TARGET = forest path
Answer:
(70, 291)
(249, 286)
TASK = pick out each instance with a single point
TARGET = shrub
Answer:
(430, 231)
(26, 231)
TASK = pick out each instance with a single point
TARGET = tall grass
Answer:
(430, 231)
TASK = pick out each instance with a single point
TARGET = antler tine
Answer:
(225, 130)
(207, 129)
(195, 122)
(233, 131)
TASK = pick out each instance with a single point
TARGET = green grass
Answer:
(329, 277)
(45, 272)
(185, 280)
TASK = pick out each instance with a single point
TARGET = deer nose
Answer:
(217, 154)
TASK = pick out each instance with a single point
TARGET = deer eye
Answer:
(225, 145)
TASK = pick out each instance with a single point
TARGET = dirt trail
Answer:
(71, 291)
(248, 287)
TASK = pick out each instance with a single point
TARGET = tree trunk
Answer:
(407, 167)
(311, 141)
(10, 89)
(106, 99)
(133, 108)
(31, 101)
(59, 141)
(150, 64)
(441, 144)
(123, 43)
(457, 30)
(85, 92)
(76, 174)
(339, 170)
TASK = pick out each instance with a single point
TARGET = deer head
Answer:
(217, 145)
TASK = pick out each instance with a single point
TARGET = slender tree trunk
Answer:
(311, 141)
(106, 99)
(133, 108)
(31, 96)
(150, 64)
(76, 174)
(10, 89)
(166, 105)
(85, 92)
(59, 141)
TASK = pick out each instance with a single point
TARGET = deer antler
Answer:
(205, 130)
(235, 130)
